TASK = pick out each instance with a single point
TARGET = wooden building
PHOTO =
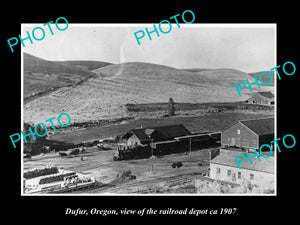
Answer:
(144, 136)
(262, 98)
(248, 134)
(157, 141)
(225, 168)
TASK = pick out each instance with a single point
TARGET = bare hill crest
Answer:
(221, 77)
(42, 76)
(139, 68)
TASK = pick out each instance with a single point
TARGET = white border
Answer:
(204, 25)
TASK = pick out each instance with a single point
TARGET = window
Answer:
(228, 172)
(218, 170)
(238, 131)
(251, 176)
(239, 175)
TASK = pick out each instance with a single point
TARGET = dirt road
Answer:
(148, 172)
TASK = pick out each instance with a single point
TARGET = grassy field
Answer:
(210, 106)
(208, 122)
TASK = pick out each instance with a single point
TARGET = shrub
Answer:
(215, 187)
(179, 164)
(176, 164)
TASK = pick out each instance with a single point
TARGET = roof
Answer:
(266, 94)
(197, 137)
(227, 158)
(167, 132)
(164, 142)
(172, 131)
(260, 126)
(140, 133)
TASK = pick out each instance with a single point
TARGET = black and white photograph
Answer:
(129, 109)
(149, 112)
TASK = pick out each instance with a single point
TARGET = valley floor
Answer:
(152, 175)
(195, 121)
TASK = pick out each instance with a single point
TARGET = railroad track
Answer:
(115, 188)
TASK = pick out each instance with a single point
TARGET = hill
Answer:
(228, 76)
(105, 94)
(265, 78)
(86, 65)
(34, 64)
(42, 76)
(223, 77)
(194, 69)
(149, 71)
(223, 73)
(139, 68)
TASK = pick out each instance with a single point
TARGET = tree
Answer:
(41, 130)
(34, 146)
(26, 130)
(171, 107)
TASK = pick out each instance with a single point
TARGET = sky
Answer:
(246, 47)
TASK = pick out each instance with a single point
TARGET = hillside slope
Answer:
(265, 78)
(85, 64)
(34, 64)
(42, 76)
(222, 77)
(105, 95)
(139, 68)
(149, 71)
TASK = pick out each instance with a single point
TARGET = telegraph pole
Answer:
(151, 147)
(152, 158)
(190, 144)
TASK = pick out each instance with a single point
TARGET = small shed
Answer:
(262, 98)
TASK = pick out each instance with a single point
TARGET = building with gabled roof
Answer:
(262, 98)
(224, 167)
(143, 136)
(248, 134)
(241, 138)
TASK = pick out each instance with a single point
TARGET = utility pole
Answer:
(190, 148)
(152, 158)
(151, 147)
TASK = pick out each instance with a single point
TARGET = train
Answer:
(181, 144)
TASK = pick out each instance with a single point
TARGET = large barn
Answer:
(248, 134)
(225, 168)
(262, 98)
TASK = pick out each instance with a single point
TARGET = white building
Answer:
(224, 167)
